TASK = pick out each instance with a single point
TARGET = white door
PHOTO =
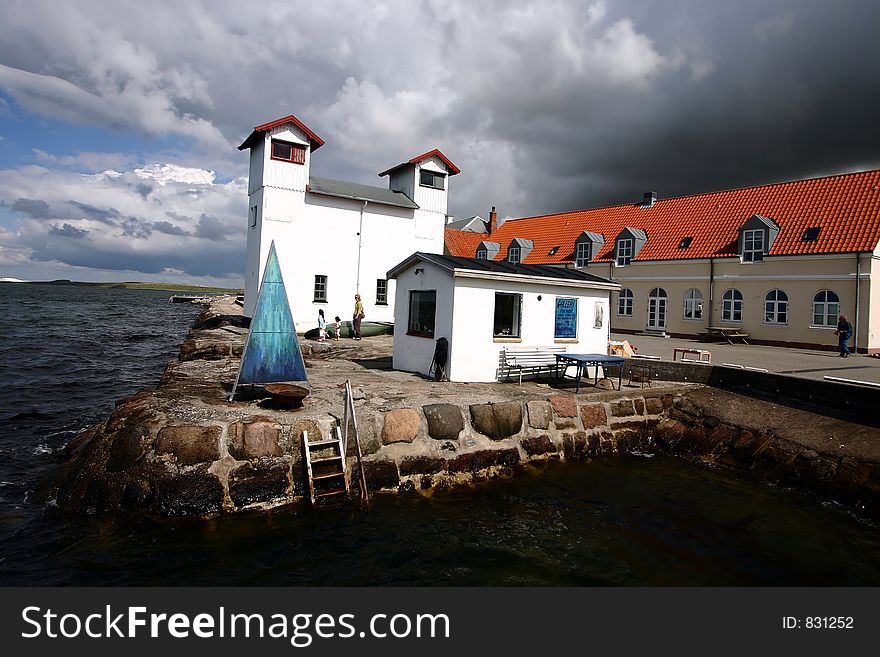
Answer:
(657, 309)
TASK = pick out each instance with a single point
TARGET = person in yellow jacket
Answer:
(358, 316)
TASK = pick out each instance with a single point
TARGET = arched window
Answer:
(732, 306)
(693, 304)
(826, 308)
(625, 302)
(776, 307)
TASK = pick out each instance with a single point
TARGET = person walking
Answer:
(358, 316)
(322, 326)
(844, 333)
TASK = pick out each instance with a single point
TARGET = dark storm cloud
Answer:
(211, 228)
(34, 208)
(136, 228)
(168, 228)
(144, 190)
(103, 215)
(68, 231)
(772, 91)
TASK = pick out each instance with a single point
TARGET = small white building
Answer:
(336, 238)
(482, 306)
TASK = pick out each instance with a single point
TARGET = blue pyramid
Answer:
(272, 351)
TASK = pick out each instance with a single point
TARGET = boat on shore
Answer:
(368, 330)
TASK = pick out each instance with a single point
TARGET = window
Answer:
(422, 309)
(753, 245)
(811, 234)
(320, 288)
(582, 254)
(693, 304)
(508, 314)
(776, 307)
(732, 306)
(253, 214)
(431, 179)
(381, 292)
(624, 252)
(685, 242)
(482, 254)
(625, 303)
(826, 308)
(553, 251)
(513, 255)
(287, 152)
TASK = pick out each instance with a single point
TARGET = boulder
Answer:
(540, 414)
(381, 474)
(401, 425)
(563, 405)
(593, 415)
(254, 438)
(190, 443)
(262, 482)
(622, 408)
(498, 421)
(195, 493)
(536, 445)
(421, 465)
(445, 421)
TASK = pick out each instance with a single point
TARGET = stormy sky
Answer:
(119, 121)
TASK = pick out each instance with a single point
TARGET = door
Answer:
(657, 309)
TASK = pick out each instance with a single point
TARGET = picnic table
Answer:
(729, 333)
(703, 355)
(582, 361)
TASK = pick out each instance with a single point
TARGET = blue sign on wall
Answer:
(566, 318)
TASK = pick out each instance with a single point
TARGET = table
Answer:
(582, 361)
(725, 333)
(699, 353)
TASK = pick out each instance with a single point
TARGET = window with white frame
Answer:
(776, 307)
(513, 255)
(753, 245)
(320, 288)
(625, 303)
(732, 306)
(693, 304)
(422, 313)
(826, 308)
(582, 254)
(624, 252)
(381, 291)
(482, 254)
(508, 315)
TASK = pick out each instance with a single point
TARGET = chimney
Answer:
(649, 199)
(493, 221)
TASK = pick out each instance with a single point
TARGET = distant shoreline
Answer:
(167, 287)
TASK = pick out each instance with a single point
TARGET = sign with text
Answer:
(566, 317)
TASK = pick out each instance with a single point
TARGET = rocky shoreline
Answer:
(183, 449)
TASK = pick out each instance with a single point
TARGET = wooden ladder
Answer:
(326, 467)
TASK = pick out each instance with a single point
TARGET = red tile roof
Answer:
(314, 139)
(846, 207)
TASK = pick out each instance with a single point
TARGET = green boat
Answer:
(368, 329)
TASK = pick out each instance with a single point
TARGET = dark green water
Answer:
(626, 521)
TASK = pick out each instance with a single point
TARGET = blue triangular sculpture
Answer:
(272, 351)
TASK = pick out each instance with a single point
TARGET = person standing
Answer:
(844, 333)
(322, 326)
(338, 326)
(358, 316)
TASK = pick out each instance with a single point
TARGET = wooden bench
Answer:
(723, 333)
(529, 360)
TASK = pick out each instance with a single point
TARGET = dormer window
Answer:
(811, 234)
(753, 245)
(582, 254)
(513, 255)
(487, 250)
(482, 254)
(432, 179)
(624, 252)
(756, 237)
(288, 152)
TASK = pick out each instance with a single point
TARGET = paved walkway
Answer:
(807, 363)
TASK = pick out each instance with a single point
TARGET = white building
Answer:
(336, 238)
(481, 306)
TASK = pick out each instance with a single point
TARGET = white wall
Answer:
(428, 198)
(415, 353)
(286, 175)
(474, 353)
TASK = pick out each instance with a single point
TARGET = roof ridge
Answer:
(682, 196)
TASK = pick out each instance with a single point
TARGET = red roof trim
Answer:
(453, 170)
(436, 152)
(314, 139)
